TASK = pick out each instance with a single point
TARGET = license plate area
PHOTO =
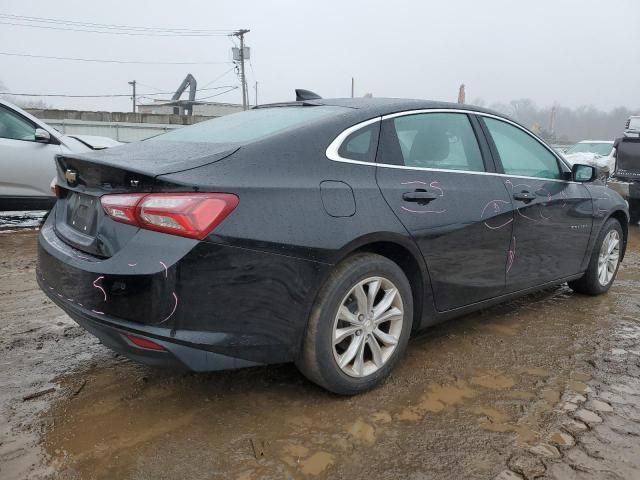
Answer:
(82, 213)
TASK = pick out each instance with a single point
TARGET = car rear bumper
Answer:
(178, 352)
(11, 203)
(210, 306)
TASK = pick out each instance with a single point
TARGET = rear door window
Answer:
(432, 140)
(520, 153)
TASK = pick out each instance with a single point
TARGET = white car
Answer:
(27, 150)
(632, 127)
(598, 153)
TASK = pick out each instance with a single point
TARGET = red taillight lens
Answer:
(122, 208)
(192, 215)
(144, 343)
(55, 188)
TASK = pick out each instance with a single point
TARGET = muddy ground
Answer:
(547, 386)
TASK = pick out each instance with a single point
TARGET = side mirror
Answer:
(42, 136)
(583, 173)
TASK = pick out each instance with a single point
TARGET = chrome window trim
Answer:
(334, 146)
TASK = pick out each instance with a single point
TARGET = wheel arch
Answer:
(404, 253)
(622, 217)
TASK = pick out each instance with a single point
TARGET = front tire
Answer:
(604, 262)
(359, 326)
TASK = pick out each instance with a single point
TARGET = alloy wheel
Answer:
(367, 327)
(609, 257)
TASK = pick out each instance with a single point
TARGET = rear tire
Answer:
(604, 262)
(359, 326)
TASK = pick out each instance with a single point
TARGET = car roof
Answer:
(596, 141)
(376, 106)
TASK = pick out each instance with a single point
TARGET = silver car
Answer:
(27, 150)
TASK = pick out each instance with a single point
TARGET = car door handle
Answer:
(419, 196)
(525, 197)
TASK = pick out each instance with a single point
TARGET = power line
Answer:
(147, 34)
(99, 60)
(231, 87)
(218, 78)
(218, 94)
(24, 18)
(150, 86)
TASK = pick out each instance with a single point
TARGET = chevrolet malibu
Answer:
(323, 232)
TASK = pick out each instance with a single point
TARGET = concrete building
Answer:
(127, 126)
(205, 109)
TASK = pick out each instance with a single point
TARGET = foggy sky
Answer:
(566, 51)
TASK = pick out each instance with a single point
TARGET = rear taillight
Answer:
(55, 188)
(192, 215)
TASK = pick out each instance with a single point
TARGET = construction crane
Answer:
(185, 107)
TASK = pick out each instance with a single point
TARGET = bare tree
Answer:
(571, 124)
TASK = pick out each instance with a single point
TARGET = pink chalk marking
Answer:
(435, 184)
(495, 204)
(414, 182)
(166, 272)
(99, 287)
(422, 211)
(96, 311)
(175, 306)
(499, 226)
(511, 256)
(59, 295)
(512, 186)
(542, 189)
(132, 264)
(563, 194)
(528, 218)
(546, 218)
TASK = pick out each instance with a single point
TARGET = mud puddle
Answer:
(472, 397)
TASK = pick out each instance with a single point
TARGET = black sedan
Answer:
(322, 232)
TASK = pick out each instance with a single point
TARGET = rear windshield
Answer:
(250, 125)
(634, 123)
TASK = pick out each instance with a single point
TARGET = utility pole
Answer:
(353, 85)
(256, 93)
(240, 34)
(133, 84)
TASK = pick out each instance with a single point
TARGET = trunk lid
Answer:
(79, 217)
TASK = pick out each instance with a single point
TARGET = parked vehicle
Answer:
(626, 178)
(27, 150)
(322, 232)
(599, 153)
(632, 128)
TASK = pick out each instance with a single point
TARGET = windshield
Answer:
(634, 123)
(598, 148)
(250, 125)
